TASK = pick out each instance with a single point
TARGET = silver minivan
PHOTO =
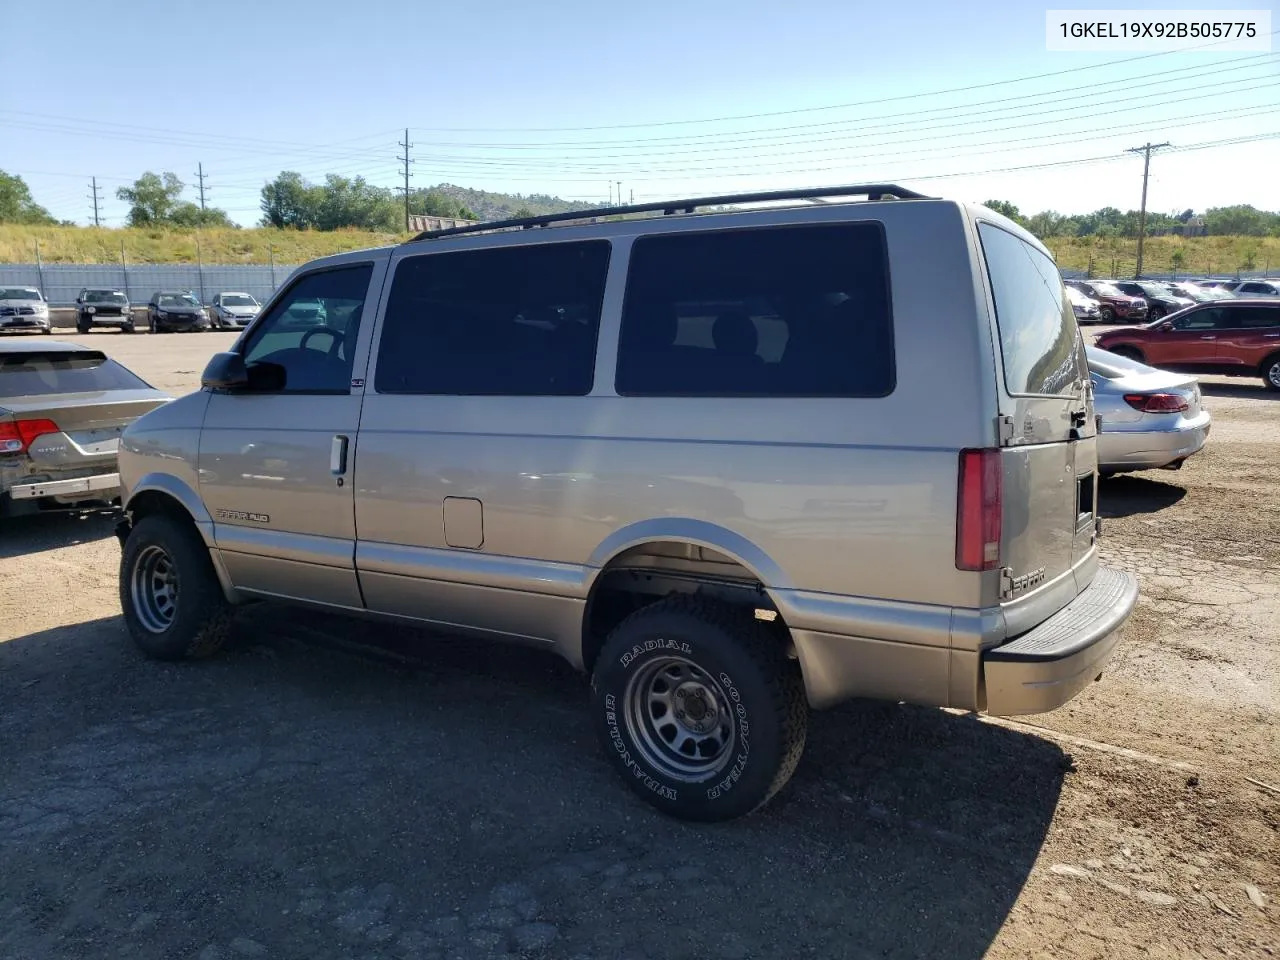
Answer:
(735, 464)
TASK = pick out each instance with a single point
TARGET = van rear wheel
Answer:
(698, 707)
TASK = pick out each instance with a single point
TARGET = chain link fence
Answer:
(61, 283)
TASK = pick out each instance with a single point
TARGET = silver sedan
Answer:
(1151, 419)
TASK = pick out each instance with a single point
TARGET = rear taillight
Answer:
(979, 511)
(17, 436)
(1157, 402)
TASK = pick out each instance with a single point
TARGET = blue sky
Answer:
(497, 95)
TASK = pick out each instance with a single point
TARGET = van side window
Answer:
(1039, 341)
(763, 312)
(515, 321)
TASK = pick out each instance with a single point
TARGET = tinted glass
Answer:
(770, 312)
(174, 300)
(314, 353)
(236, 300)
(1039, 340)
(515, 321)
(1211, 318)
(39, 374)
(1253, 318)
(19, 293)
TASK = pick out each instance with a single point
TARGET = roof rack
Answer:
(874, 191)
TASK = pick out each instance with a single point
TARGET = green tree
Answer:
(152, 199)
(1242, 220)
(16, 205)
(290, 202)
(188, 214)
(1178, 259)
(1004, 208)
(522, 213)
(351, 202)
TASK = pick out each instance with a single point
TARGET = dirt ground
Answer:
(345, 790)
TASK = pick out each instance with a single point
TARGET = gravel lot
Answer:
(330, 789)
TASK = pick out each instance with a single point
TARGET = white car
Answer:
(23, 308)
(1149, 419)
(232, 310)
(1086, 309)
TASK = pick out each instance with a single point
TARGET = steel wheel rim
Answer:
(1273, 374)
(154, 589)
(679, 719)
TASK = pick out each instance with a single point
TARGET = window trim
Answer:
(246, 340)
(610, 247)
(882, 236)
(989, 283)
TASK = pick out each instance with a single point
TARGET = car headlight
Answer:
(92, 310)
(42, 308)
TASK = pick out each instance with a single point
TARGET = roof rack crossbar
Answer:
(874, 191)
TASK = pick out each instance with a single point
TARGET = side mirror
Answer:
(225, 371)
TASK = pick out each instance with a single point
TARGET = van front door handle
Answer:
(338, 456)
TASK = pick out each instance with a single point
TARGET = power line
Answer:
(97, 222)
(836, 106)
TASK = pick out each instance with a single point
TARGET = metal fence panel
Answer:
(62, 282)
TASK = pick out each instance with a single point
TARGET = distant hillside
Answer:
(503, 206)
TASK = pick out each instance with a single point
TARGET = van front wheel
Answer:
(173, 603)
(699, 708)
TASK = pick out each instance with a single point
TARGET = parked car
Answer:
(1112, 304)
(23, 308)
(62, 409)
(1160, 299)
(1257, 288)
(304, 314)
(103, 307)
(1150, 419)
(1085, 308)
(175, 310)
(1199, 293)
(233, 310)
(701, 457)
(1239, 338)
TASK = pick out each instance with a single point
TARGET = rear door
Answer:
(1046, 421)
(1250, 334)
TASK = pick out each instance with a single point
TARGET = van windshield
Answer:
(1040, 344)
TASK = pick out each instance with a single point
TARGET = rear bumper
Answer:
(1120, 450)
(1047, 666)
(100, 486)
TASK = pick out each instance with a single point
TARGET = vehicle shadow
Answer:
(315, 800)
(1242, 390)
(1126, 495)
(36, 533)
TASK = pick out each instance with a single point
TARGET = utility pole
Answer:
(1142, 213)
(95, 198)
(200, 176)
(619, 193)
(611, 193)
(406, 161)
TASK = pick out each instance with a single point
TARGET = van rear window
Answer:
(1039, 340)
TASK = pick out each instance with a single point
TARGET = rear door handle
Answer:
(338, 456)
(1209, 338)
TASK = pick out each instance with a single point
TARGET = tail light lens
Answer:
(979, 510)
(17, 435)
(1157, 402)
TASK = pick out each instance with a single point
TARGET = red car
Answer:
(1238, 338)
(1113, 304)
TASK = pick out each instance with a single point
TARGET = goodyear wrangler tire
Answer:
(698, 707)
(173, 604)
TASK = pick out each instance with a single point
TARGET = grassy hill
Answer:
(1196, 255)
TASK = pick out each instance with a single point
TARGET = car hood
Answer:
(22, 303)
(183, 309)
(1122, 332)
(242, 311)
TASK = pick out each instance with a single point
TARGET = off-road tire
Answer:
(1271, 371)
(126, 328)
(83, 326)
(201, 622)
(758, 685)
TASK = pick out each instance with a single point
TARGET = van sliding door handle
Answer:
(338, 456)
